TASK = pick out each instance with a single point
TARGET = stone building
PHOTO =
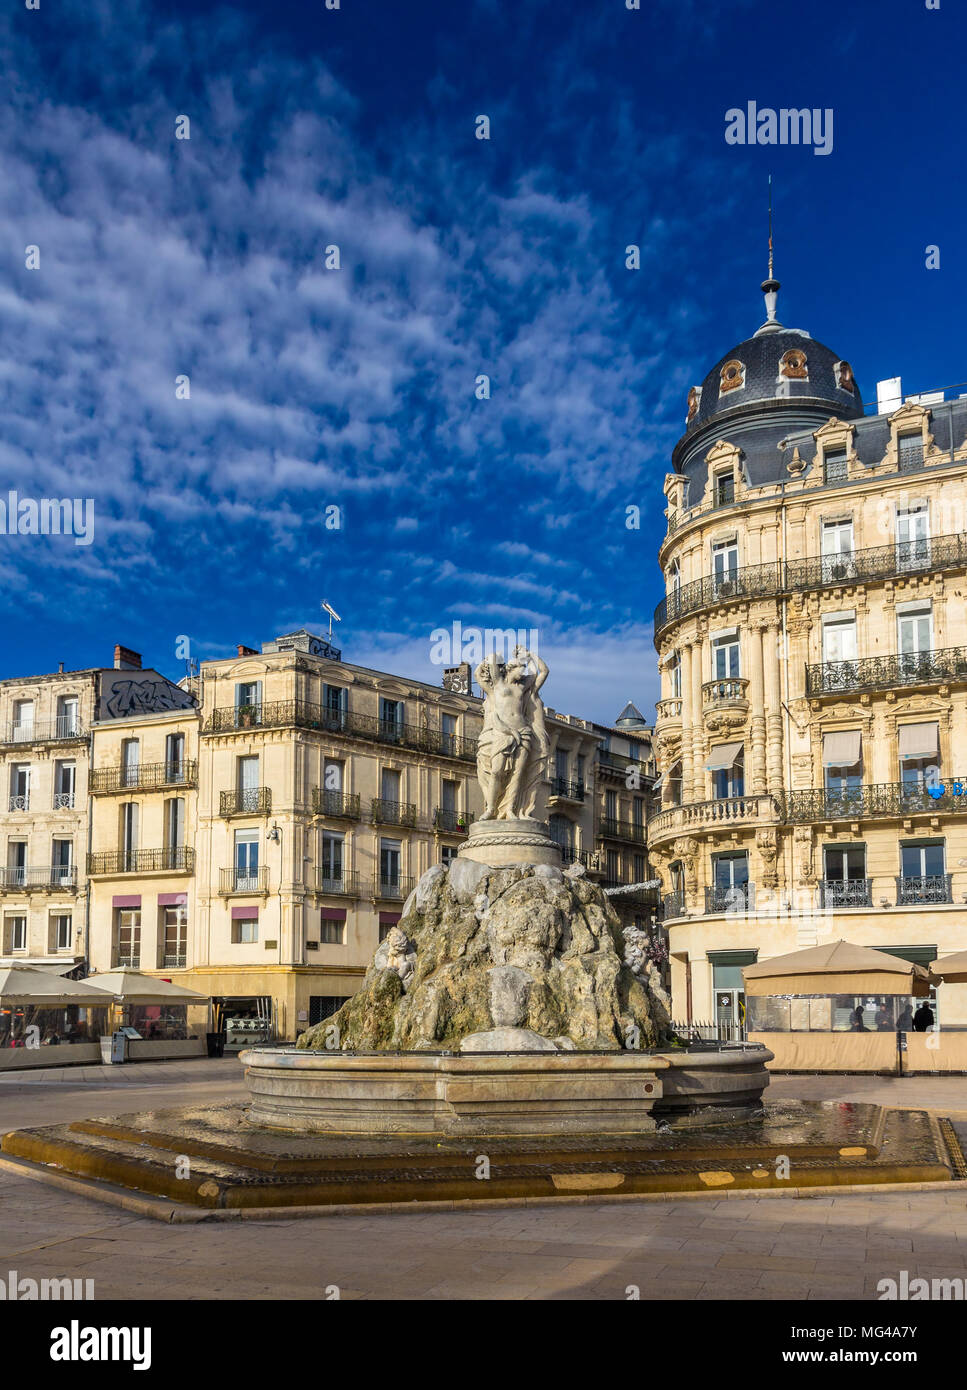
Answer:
(813, 654)
(623, 797)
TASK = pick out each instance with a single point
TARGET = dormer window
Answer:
(733, 376)
(844, 377)
(694, 401)
(792, 365)
(834, 465)
(910, 452)
(724, 489)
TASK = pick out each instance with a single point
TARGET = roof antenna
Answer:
(770, 286)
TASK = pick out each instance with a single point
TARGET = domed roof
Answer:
(775, 365)
(630, 717)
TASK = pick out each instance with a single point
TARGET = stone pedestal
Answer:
(502, 842)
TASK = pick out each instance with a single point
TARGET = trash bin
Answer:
(216, 1044)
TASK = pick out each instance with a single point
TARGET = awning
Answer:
(919, 740)
(723, 755)
(952, 969)
(133, 987)
(25, 984)
(842, 749)
(838, 968)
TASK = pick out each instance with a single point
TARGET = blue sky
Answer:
(459, 257)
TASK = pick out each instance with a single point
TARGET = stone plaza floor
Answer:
(746, 1248)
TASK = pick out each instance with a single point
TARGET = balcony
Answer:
(641, 897)
(730, 899)
(729, 693)
(64, 729)
(19, 803)
(722, 813)
(144, 777)
(452, 822)
(673, 905)
(396, 889)
(303, 714)
(943, 667)
(335, 805)
(175, 859)
(126, 960)
(851, 892)
(613, 829)
(669, 711)
(52, 878)
(881, 800)
(813, 572)
(563, 789)
(63, 801)
(922, 891)
(251, 882)
(402, 813)
(247, 801)
(175, 961)
(344, 885)
(590, 858)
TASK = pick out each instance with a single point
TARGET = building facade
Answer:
(813, 655)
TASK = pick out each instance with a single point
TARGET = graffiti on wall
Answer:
(143, 692)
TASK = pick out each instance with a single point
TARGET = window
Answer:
(331, 860)
(579, 770)
(16, 863)
(245, 930)
(23, 721)
(248, 695)
(68, 709)
(174, 937)
(923, 876)
(174, 823)
(730, 883)
(611, 805)
(839, 637)
(919, 749)
(128, 937)
(448, 733)
(16, 933)
(331, 932)
(391, 718)
(335, 698)
(246, 861)
(322, 1006)
(638, 811)
(333, 776)
(724, 489)
(674, 784)
(130, 762)
(910, 452)
(725, 564)
(561, 831)
(129, 835)
(20, 787)
(390, 853)
(389, 785)
(842, 764)
(62, 932)
(447, 854)
(613, 866)
(834, 465)
(61, 863)
(837, 551)
(639, 872)
(448, 796)
(675, 675)
(729, 782)
(725, 657)
(561, 764)
(913, 538)
(247, 783)
(845, 883)
(65, 775)
(175, 758)
(914, 638)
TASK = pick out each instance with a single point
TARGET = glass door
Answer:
(246, 861)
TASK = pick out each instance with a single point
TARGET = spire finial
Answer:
(770, 286)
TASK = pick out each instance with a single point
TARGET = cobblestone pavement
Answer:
(826, 1247)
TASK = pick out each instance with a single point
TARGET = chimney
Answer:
(126, 660)
(889, 395)
(60, 668)
(246, 651)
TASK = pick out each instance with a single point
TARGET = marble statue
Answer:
(397, 953)
(513, 747)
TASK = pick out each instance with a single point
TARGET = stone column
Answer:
(698, 725)
(688, 717)
(770, 641)
(757, 709)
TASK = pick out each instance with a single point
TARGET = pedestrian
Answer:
(923, 1018)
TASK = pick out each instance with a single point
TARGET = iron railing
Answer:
(736, 897)
(452, 822)
(343, 885)
(397, 888)
(173, 859)
(641, 897)
(673, 905)
(946, 665)
(335, 805)
(588, 857)
(246, 801)
(619, 762)
(60, 730)
(126, 961)
(176, 961)
(238, 880)
(303, 714)
(566, 789)
(63, 801)
(813, 572)
(848, 892)
(19, 803)
(145, 777)
(916, 889)
(393, 812)
(710, 1030)
(613, 829)
(880, 799)
(52, 877)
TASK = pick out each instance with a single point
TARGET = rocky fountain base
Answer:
(508, 1001)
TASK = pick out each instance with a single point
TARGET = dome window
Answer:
(733, 376)
(792, 365)
(845, 379)
(694, 401)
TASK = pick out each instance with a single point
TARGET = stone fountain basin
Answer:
(485, 1093)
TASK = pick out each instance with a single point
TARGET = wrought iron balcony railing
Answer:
(452, 822)
(173, 859)
(721, 811)
(63, 729)
(673, 905)
(335, 805)
(942, 667)
(19, 803)
(813, 572)
(173, 960)
(241, 880)
(934, 888)
(53, 878)
(63, 801)
(343, 885)
(590, 858)
(246, 801)
(145, 777)
(849, 892)
(619, 764)
(303, 714)
(127, 960)
(724, 693)
(393, 812)
(880, 799)
(567, 790)
(735, 897)
(395, 889)
(613, 829)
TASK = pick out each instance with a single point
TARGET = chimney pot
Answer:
(246, 651)
(125, 659)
